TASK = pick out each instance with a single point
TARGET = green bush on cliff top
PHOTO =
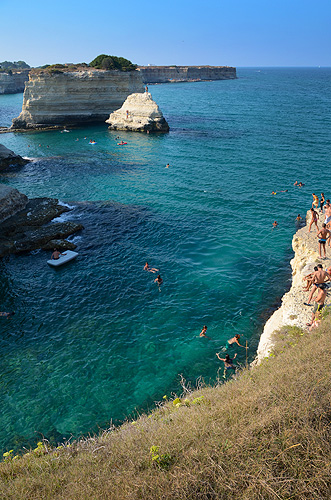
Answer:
(104, 61)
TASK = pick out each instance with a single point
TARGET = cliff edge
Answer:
(54, 97)
(293, 312)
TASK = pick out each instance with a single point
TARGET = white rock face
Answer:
(293, 311)
(139, 113)
(11, 202)
(74, 97)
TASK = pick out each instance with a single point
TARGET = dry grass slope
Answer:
(264, 436)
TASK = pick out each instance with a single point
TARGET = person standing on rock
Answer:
(146, 89)
(323, 235)
(319, 304)
(322, 200)
(319, 278)
(314, 217)
(315, 201)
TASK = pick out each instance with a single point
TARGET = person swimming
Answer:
(159, 281)
(150, 269)
(7, 314)
(235, 340)
(203, 332)
(228, 363)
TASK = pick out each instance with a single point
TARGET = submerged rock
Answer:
(139, 113)
(8, 158)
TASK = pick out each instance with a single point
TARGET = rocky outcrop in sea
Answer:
(9, 158)
(293, 312)
(25, 224)
(139, 113)
(63, 98)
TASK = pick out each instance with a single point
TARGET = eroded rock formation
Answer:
(8, 158)
(139, 113)
(74, 97)
(24, 225)
(13, 83)
(11, 202)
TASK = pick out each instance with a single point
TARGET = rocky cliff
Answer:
(139, 113)
(293, 312)
(8, 158)
(165, 74)
(11, 202)
(13, 83)
(74, 97)
(24, 223)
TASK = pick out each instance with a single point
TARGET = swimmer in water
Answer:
(150, 269)
(228, 363)
(274, 224)
(7, 314)
(203, 332)
(235, 340)
(274, 192)
(159, 281)
(299, 218)
(167, 165)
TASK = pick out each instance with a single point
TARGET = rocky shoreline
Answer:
(293, 312)
(31, 228)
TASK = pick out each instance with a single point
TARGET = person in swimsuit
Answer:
(319, 278)
(322, 200)
(274, 224)
(235, 340)
(56, 254)
(159, 281)
(228, 363)
(299, 218)
(314, 217)
(150, 269)
(310, 280)
(7, 314)
(203, 332)
(319, 304)
(315, 201)
(323, 235)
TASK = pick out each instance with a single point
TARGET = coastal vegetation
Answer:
(104, 61)
(9, 66)
(263, 436)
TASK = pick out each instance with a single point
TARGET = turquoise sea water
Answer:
(92, 341)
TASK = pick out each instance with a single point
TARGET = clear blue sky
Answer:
(215, 32)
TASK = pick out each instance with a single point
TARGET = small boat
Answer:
(67, 256)
(93, 142)
(121, 143)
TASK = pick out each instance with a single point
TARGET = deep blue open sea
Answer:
(95, 340)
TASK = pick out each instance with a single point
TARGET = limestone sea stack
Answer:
(74, 97)
(139, 113)
(8, 158)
